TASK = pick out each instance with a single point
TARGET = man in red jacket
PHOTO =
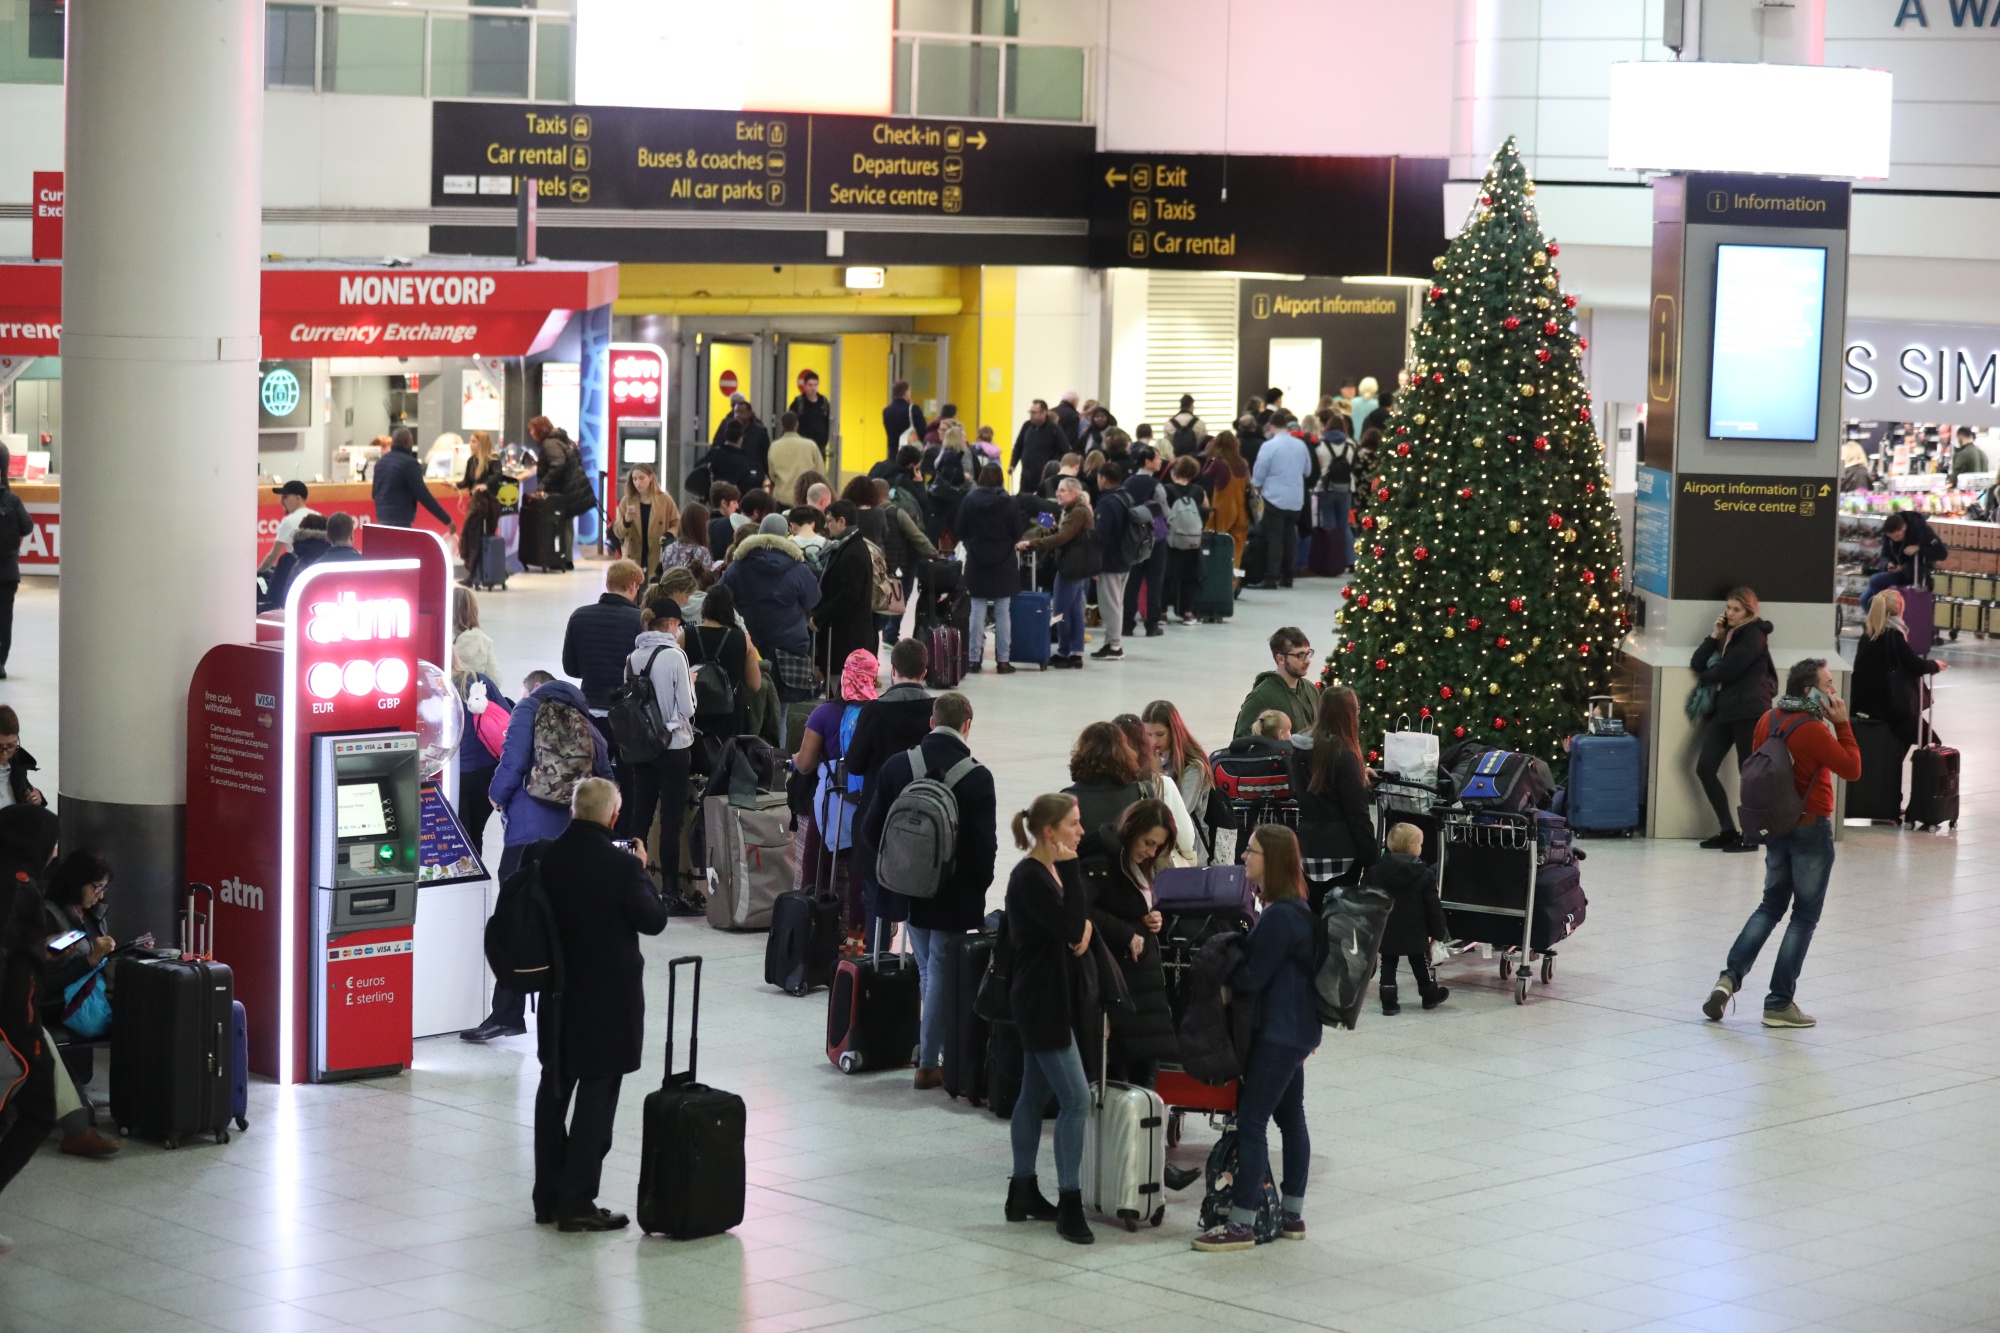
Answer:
(1796, 865)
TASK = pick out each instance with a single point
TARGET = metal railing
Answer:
(466, 54)
(980, 77)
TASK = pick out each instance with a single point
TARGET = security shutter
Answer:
(1191, 347)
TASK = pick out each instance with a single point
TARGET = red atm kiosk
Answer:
(307, 812)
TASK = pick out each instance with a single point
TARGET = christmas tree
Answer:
(1488, 586)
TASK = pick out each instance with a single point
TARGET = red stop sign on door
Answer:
(727, 382)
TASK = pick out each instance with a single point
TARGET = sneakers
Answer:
(1719, 998)
(1720, 841)
(1062, 662)
(1293, 1229)
(1791, 1016)
(1228, 1236)
(597, 1219)
(1110, 654)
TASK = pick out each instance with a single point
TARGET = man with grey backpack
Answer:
(928, 837)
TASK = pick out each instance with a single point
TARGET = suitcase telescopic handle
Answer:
(198, 928)
(669, 1077)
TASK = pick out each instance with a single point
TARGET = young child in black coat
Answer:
(1416, 919)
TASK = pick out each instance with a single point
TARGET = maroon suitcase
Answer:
(947, 649)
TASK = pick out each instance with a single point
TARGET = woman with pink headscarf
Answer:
(828, 730)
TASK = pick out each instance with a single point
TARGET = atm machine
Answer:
(364, 902)
(639, 441)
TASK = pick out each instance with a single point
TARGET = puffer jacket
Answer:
(528, 819)
(775, 590)
(1117, 909)
(1745, 679)
(988, 527)
(1216, 1033)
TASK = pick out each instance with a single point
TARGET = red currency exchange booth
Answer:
(351, 351)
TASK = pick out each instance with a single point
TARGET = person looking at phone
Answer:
(17, 789)
(1734, 684)
(1812, 718)
(602, 900)
(78, 944)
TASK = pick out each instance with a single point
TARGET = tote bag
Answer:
(1413, 757)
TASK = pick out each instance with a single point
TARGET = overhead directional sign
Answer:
(1322, 216)
(726, 161)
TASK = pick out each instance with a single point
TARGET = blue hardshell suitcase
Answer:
(1605, 783)
(1028, 628)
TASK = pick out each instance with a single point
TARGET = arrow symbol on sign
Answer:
(1114, 177)
(977, 139)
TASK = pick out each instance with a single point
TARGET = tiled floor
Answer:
(1599, 1159)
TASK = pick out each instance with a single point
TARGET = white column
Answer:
(163, 154)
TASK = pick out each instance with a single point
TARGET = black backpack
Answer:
(522, 947)
(1181, 435)
(636, 724)
(714, 691)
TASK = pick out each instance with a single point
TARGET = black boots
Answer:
(1025, 1202)
(1180, 1177)
(1069, 1219)
(1436, 995)
(1389, 1005)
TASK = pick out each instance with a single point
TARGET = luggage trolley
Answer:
(1487, 865)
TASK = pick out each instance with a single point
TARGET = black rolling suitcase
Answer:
(691, 1170)
(172, 1042)
(538, 533)
(1215, 593)
(806, 926)
(965, 1032)
(1933, 777)
(872, 1012)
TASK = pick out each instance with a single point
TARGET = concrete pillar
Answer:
(163, 154)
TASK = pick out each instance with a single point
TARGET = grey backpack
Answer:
(1184, 525)
(920, 832)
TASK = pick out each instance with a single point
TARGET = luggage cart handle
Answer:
(670, 1078)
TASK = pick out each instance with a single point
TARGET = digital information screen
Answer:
(357, 811)
(1764, 367)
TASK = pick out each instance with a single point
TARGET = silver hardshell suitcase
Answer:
(1125, 1152)
(751, 859)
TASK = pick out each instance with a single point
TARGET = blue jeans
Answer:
(1068, 604)
(1003, 629)
(1796, 869)
(933, 954)
(1888, 578)
(1274, 1088)
(1043, 1072)
(1337, 507)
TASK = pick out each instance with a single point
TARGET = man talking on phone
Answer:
(603, 901)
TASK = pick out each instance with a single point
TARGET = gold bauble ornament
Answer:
(1528, 189)
(1513, 525)
(1464, 366)
(1541, 258)
(1493, 575)
(1437, 265)
(1399, 648)
(1493, 687)
(1479, 441)
(1519, 659)
(1527, 391)
(1450, 633)
(1550, 282)
(1418, 418)
(1535, 642)
(1569, 534)
(1542, 302)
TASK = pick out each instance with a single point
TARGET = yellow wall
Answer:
(785, 289)
(859, 398)
(721, 357)
(982, 342)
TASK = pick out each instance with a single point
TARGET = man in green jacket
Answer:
(1285, 689)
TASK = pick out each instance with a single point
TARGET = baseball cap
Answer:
(297, 488)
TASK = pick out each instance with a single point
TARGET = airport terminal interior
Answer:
(1500, 396)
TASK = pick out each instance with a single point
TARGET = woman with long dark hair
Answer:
(1119, 863)
(1160, 787)
(1227, 477)
(1048, 928)
(1735, 682)
(1279, 963)
(689, 549)
(27, 846)
(1330, 784)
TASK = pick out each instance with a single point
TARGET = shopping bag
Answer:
(1413, 757)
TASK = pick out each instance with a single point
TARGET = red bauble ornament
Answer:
(1362, 600)
(1500, 724)
(1583, 343)
(1425, 711)
(1570, 301)
(1382, 493)
(1347, 593)
(1542, 443)
(1555, 520)
(1474, 623)
(1437, 377)
(1583, 414)
(1486, 201)
(1617, 576)
(1381, 664)
(1444, 691)
(1368, 522)
(1513, 439)
(1500, 642)
(1402, 449)
(1590, 488)
(1402, 430)
(1437, 293)
(1374, 756)
(1511, 322)
(1514, 604)
(1465, 492)
(1590, 576)
(1376, 551)
(1583, 649)
(1422, 553)
(1542, 354)
(1451, 610)
(1551, 328)
(1458, 733)
(1554, 249)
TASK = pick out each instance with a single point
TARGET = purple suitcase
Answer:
(947, 648)
(1203, 890)
(239, 1065)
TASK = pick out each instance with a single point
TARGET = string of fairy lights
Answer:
(1486, 599)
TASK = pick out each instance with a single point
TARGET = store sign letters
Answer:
(1942, 372)
(1963, 13)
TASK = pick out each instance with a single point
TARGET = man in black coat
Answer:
(1042, 438)
(901, 417)
(753, 437)
(988, 526)
(727, 462)
(602, 900)
(814, 409)
(886, 728)
(399, 485)
(960, 904)
(600, 635)
(16, 525)
(1911, 549)
(844, 620)
(1068, 418)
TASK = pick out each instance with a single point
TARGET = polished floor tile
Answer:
(1597, 1159)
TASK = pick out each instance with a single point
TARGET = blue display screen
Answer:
(1764, 367)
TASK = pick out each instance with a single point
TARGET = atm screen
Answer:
(358, 811)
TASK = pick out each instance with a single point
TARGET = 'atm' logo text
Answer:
(238, 894)
(348, 619)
